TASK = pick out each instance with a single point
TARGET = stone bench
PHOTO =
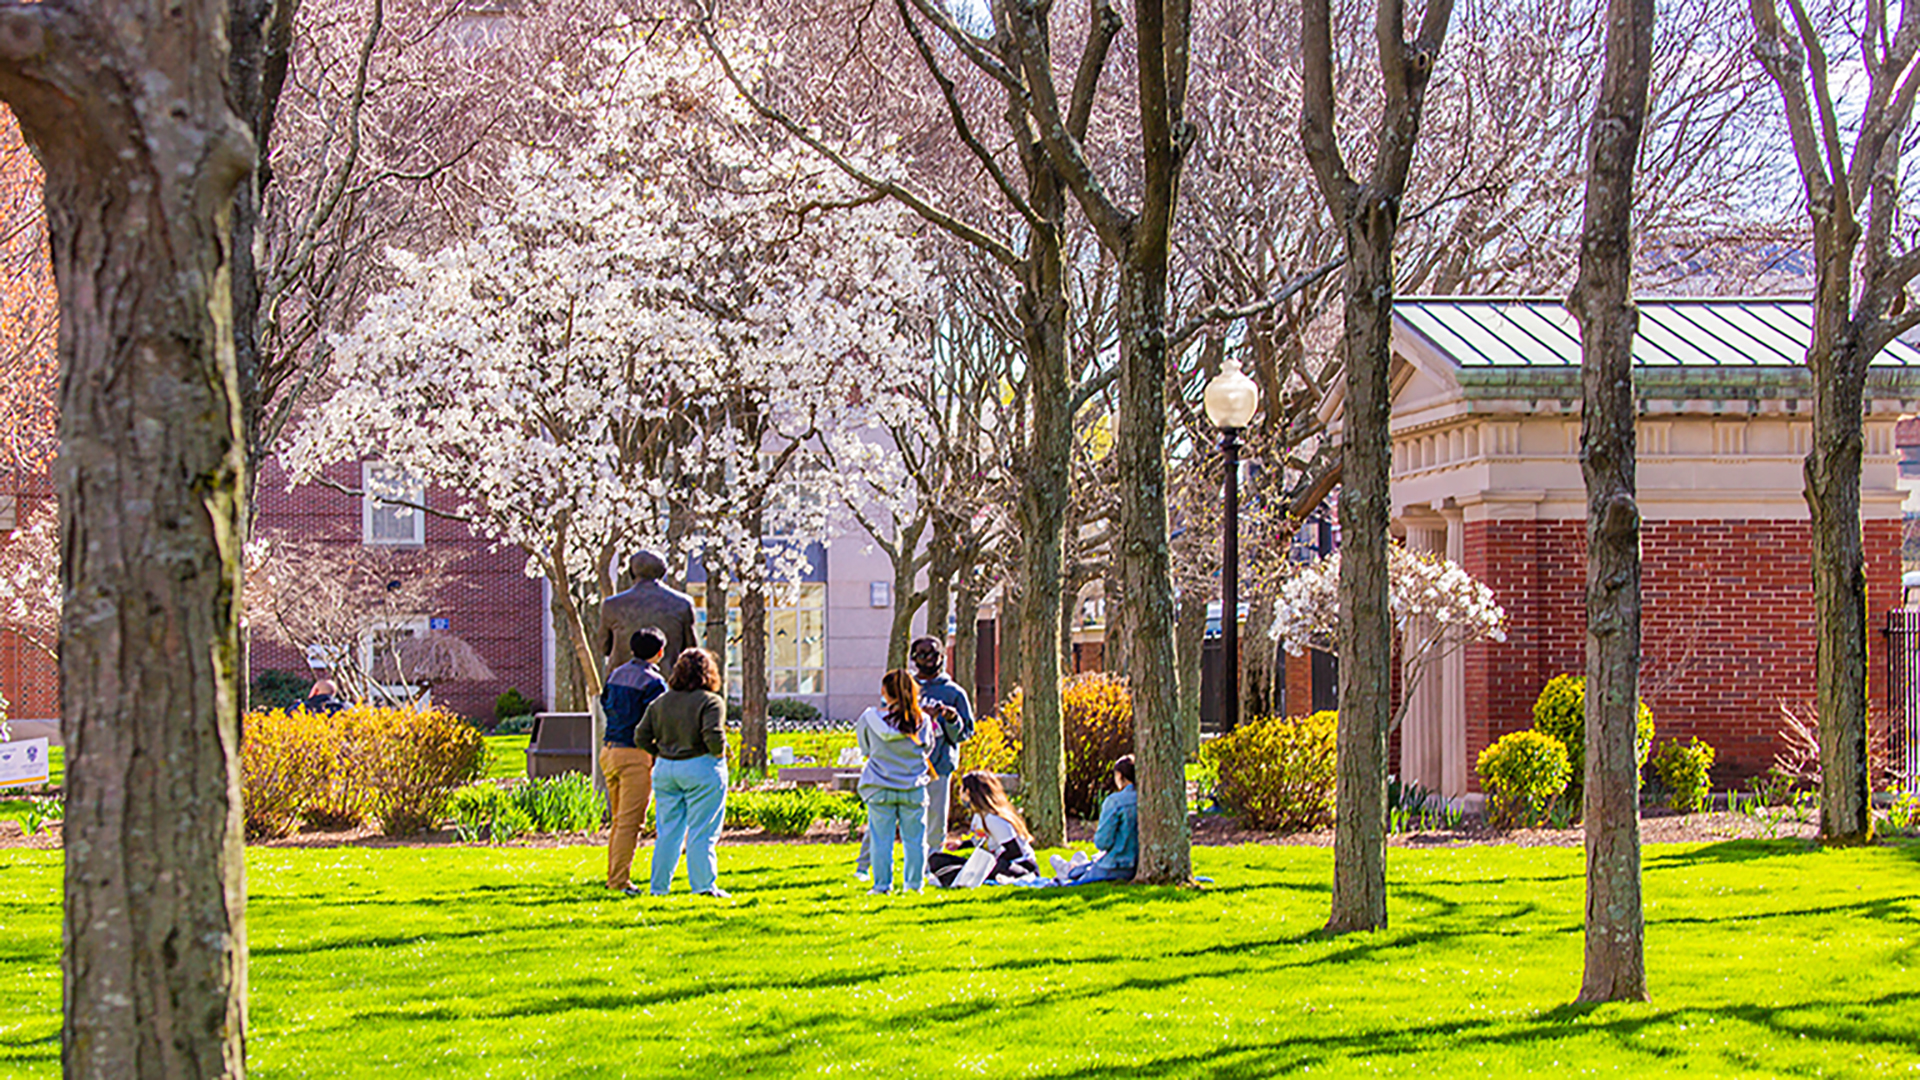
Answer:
(827, 776)
(561, 743)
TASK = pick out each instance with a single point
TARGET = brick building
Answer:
(1486, 438)
(29, 677)
(479, 591)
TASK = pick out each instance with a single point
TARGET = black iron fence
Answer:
(1903, 695)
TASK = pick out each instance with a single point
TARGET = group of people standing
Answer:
(666, 743)
(665, 738)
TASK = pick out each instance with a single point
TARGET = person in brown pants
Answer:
(627, 768)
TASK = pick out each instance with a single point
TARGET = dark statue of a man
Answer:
(647, 603)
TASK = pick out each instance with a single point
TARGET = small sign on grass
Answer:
(23, 763)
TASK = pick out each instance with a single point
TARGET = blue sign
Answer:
(438, 622)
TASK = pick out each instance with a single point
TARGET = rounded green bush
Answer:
(1522, 773)
(1096, 718)
(793, 709)
(1561, 712)
(788, 813)
(1686, 769)
(1276, 772)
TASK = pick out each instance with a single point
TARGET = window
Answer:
(386, 683)
(796, 637)
(398, 522)
(9, 513)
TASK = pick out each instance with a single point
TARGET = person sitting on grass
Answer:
(683, 733)
(1118, 837)
(894, 782)
(997, 828)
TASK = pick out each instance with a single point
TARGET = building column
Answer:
(1422, 732)
(1450, 674)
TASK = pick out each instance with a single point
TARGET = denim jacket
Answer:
(1118, 836)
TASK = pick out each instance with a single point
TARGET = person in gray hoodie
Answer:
(893, 784)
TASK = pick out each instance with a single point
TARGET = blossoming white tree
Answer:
(1437, 607)
(30, 578)
(664, 313)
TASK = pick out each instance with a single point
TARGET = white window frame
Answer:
(391, 693)
(383, 475)
(776, 604)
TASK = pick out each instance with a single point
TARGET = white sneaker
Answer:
(1079, 859)
(1059, 865)
(862, 875)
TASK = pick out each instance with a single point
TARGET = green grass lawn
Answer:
(1766, 959)
(507, 754)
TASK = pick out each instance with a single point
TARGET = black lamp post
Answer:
(1231, 400)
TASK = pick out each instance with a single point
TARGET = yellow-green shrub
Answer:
(1276, 772)
(1561, 712)
(1686, 769)
(335, 770)
(1097, 721)
(415, 758)
(285, 759)
(995, 746)
(1522, 773)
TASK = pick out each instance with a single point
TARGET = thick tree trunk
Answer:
(126, 109)
(1012, 675)
(1120, 636)
(1042, 512)
(1602, 300)
(569, 679)
(966, 635)
(1366, 623)
(713, 637)
(1190, 640)
(940, 570)
(753, 675)
(1847, 331)
(1839, 585)
(1260, 663)
(1144, 561)
(906, 602)
(260, 36)
(1369, 214)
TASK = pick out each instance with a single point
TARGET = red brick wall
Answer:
(29, 678)
(487, 600)
(1727, 631)
(1299, 683)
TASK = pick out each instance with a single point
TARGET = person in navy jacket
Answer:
(627, 768)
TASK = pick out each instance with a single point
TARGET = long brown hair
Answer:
(899, 687)
(986, 796)
(695, 670)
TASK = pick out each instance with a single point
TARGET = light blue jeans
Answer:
(689, 803)
(889, 809)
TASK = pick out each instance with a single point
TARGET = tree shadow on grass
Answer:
(1890, 908)
(1628, 1032)
(1730, 851)
(600, 999)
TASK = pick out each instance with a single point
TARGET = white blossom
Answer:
(1436, 607)
(678, 294)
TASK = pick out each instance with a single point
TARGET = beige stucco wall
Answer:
(1736, 459)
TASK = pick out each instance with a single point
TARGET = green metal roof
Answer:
(1734, 348)
(1499, 331)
